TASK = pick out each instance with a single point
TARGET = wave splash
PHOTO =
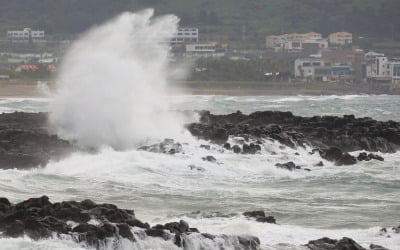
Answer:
(112, 83)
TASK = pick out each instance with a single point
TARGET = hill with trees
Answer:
(224, 20)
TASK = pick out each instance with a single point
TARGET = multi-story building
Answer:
(296, 42)
(379, 69)
(305, 67)
(370, 56)
(340, 38)
(318, 70)
(205, 50)
(186, 35)
(353, 57)
(26, 35)
(395, 71)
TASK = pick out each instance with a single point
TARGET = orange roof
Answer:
(27, 67)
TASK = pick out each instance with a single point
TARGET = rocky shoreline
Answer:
(27, 141)
(332, 137)
(93, 225)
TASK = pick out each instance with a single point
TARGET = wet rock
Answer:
(193, 167)
(331, 244)
(249, 242)
(14, 229)
(346, 160)
(125, 231)
(156, 233)
(251, 148)
(168, 146)
(367, 157)
(26, 141)
(377, 247)
(210, 158)
(208, 236)
(260, 216)
(319, 164)
(376, 157)
(339, 157)
(236, 149)
(207, 147)
(291, 166)
(335, 136)
(332, 154)
(137, 223)
(38, 218)
(363, 157)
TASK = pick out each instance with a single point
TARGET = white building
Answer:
(294, 42)
(379, 69)
(305, 67)
(203, 50)
(186, 35)
(395, 71)
(371, 56)
(340, 38)
(26, 35)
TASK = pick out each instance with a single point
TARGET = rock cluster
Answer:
(291, 166)
(39, 218)
(260, 216)
(25, 141)
(333, 137)
(343, 244)
(330, 244)
(168, 146)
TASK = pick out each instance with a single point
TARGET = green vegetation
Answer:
(207, 69)
(221, 20)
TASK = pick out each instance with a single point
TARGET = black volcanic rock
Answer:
(38, 218)
(168, 146)
(330, 244)
(26, 141)
(260, 216)
(333, 136)
(288, 166)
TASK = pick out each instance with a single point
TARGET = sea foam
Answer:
(112, 83)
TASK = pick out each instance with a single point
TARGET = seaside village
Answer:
(314, 58)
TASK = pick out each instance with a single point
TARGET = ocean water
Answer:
(352, 201)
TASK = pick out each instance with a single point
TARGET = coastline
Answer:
(32, 88)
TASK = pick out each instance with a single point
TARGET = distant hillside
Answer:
(219, 19)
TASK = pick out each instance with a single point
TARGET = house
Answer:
(340, 38)
(395, 71)
(372, 55)
(26, 35)
(305, 67)
(27, 68)
(379, 69)
(354, 57)
(342, 73)
(295, 42)
(343, 56)
(211, 49)
(318, 70)
(186, 35)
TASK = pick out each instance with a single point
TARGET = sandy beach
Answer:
(39, 88)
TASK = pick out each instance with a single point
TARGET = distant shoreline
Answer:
(29, 88)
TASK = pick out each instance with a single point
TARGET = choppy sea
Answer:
(353, 201)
